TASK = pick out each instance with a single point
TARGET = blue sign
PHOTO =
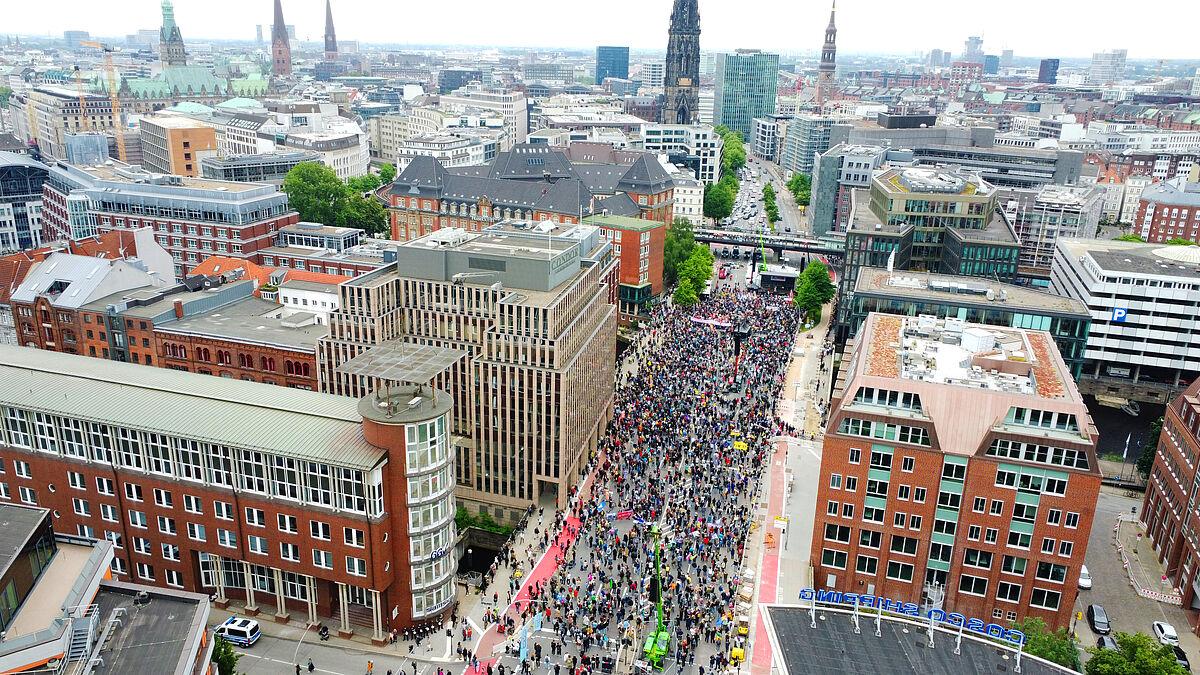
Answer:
(525, 643)
(1118, 314)
(537, 622)
(954, 619)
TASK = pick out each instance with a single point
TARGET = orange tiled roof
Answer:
(221, 264)
(315, 277)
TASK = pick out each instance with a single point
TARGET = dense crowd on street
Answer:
(673, 459)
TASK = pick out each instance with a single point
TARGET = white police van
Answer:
(241, 632)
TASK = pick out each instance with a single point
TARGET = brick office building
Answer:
(1169, 209)
(327, 506)
(530, 183)
(985, 513)
(192, 218)
(638, 245)
(1169, 508)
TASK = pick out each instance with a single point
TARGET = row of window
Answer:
(900, 433)
(249, 470)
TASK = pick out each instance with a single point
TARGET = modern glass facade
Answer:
(745, 89)
(612, 62)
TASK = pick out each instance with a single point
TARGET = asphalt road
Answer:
(1128, 612)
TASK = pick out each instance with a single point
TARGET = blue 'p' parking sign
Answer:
(1118, 314)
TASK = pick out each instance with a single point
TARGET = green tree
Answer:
(676, 248)
(5, 94)
(768, 194)
(1058, 646)
(316, 192)
(1138, 654)
(816, 275)
(698, 268)
(1130, 237)
(365, 213)
(718, 201)
(1145, 461)
(224, 656)
(367, 183)
(387, 173)
(685, 293)
(1179, 242)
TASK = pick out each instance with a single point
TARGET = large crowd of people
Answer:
(685, 455)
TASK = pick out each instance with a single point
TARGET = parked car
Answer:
(1085, 577)
(1165, 633)
(239, 631)
(723, 273)
(1098, 620)
(1181, 658)
(1107, 642)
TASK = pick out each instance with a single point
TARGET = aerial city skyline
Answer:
(633, 355)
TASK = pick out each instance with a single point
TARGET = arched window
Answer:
(263, 362)
(183, 352)
(271, 364)
(291, 370)
(304, 367)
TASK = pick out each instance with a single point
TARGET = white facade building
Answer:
(449, 149)
(310, 296)
(1107, 66)
(698, 142)
(689, 196)
(510, 104)
(1145, 305)
(1132, 196)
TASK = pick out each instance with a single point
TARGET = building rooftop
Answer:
(957, 290)
(1133, 257)
(954, 366)
(496, 241)
(305, 227)
(135, 175)
(45, 602)
(292, 422)
(1174, 192)
(622, 222)
(163, 634)
(255, 321)
(833, 647)
(176, 122)
(932, 181)
(17, 525)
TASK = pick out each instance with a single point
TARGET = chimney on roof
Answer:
(178, 309)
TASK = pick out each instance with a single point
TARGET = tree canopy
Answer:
(733, 154)
(676, 248)
(1145, 461)
(1058, 646)
(800, 186)
(387, 173)
(1130, 237)
(718, 201)
(1177, 241)
(225, 657)
(319, 196)
(813, 289)
(698, 268)
(1138, 654)
(685, 293)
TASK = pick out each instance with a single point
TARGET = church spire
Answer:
(681, 74)
(828, 66)
(330, 36)
(281, 50)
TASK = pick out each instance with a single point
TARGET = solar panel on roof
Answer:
(400, 361)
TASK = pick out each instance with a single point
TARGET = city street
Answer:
(1127, 611)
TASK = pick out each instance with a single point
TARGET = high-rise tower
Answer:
(281, 50)
(826, 70)
(681, 83)
(330, 36)
(170, 40)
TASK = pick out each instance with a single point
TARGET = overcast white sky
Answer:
(1045, 28)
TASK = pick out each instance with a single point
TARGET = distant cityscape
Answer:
(379, 342)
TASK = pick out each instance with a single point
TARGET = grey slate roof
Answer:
(292, 422)
(512, 181)
(646, 175)
(1173, 192)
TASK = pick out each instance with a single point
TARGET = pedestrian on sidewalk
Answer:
(370, 666)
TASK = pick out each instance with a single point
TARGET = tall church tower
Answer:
(281, 50)
(330, 36)
(825, 72)
(170, 40)
(681, 81)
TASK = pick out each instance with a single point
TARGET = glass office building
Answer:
(745, 89)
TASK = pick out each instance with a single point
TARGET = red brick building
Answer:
(986, 514)
(192, 218)
(1166, 511)
(638, 245)
(1169, 209)
(331, 507)
(532, 183)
